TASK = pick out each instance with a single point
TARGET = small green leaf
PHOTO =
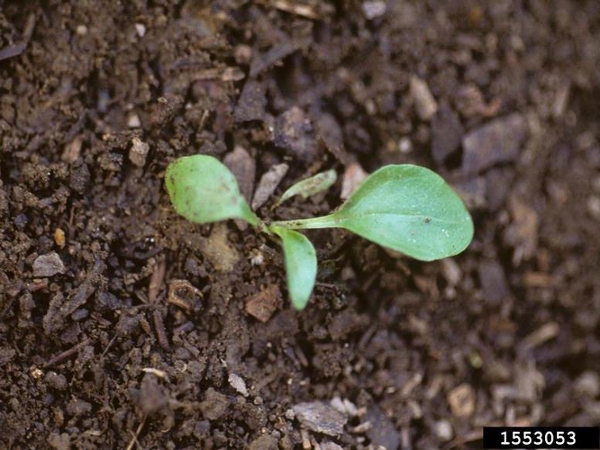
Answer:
(406, 208)
(310, 186)
(203, 190)
(300, 265)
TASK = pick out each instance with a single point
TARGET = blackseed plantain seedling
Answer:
(406, 208)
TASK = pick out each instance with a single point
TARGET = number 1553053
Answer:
(542, 437)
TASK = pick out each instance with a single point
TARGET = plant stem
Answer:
(249, 216)
(329, 221)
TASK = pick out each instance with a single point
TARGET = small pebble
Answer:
(374, 9)
(295, 133)
(238, 383)
(443, 430)
(214, 405)
(588, 384)
(451, 271)
(593, 206)
(405, 145)
(320, 417)
(264, 442)
(59, 237)
(488, 144)
(383, 432)
(242, 54)
(447, 133)
(425, 104)
(133, 121)
(138, 152)
(338, 404)
(48, 265)
(140, 28)
(351, 408)
(56, 381)
(152, 395)
(328, 445)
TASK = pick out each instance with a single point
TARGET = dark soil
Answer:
(123, 326)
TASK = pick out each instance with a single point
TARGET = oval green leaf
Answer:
(300, 265)
(406, 208)
(203, 190)
(310, 186)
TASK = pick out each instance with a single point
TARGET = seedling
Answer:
(406, 208)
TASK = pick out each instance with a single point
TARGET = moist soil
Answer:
(124, 326)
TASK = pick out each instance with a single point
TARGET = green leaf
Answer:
(406, 208)
(300, 265)
(310, 186)
(203, 190)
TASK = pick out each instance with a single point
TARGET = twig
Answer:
(134, 438)
(66, 354)
(18, 48)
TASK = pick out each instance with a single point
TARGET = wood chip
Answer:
(354, 175)
(262, 305)
(260, 63)
(295, 8)
(59, 308)
(18, 48)
(462, 400)
(156, 281)
(540, 336)
(470, 102)
(157, 372)
(72, 150)
(243, 167)
(529, 382)
(183, 295)
(267, 184)
(522, 233)
(539, 279)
